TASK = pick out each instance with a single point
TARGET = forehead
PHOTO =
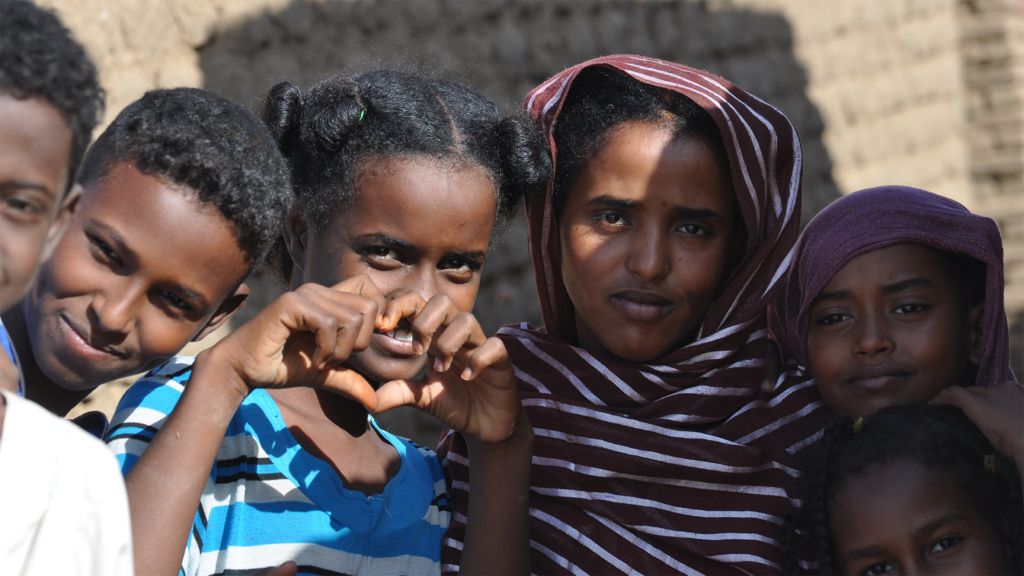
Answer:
(173, 236)
(429, 202)
(645, 160)
(892, 264)
(36, 143)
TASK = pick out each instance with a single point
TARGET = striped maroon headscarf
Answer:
(880, 217)
(676, 465)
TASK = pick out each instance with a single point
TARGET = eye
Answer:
(611, 218)
(944, 544)
(910, 309)
(693, 230)
(831, 319)
(175, 301)
(22, 209)
(105, 251)
(879, 568)
(382, 256)
(460, 268)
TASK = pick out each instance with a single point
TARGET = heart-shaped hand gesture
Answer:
(469, 384)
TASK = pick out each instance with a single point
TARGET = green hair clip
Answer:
(362, 114)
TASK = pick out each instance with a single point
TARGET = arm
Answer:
(296, 341)
(470, 386)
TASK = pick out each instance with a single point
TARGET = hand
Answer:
(303, 338)
(469, 383)
(998, 411)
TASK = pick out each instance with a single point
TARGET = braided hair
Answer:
(345, 122)
(938, 437)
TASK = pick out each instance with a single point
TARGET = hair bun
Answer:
(525, 154)
(340, 105)
(282, 114)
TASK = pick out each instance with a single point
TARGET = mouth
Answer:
(80, 341)
(396, 342)
(641, 306)
(877, 377)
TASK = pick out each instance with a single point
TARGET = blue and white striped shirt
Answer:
(268, 501)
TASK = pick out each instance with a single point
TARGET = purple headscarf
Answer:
(880, 217)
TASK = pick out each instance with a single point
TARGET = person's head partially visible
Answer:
(182, 196)
(895, 294)
(50, 101)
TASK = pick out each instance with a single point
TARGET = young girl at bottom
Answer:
(913, 489)
(675, 202)
(260, 451)
(896, 297)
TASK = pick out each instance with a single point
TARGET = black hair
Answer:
(40, 58)
(213, 147)
(599, 100)
(938, 437)
(329, 135)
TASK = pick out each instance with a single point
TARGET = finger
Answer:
(463, 333)
(350, 383)
(353, 320)
(297, 312)
(438, 312)
(957, 396)
(399, 393)
(286, 569)
(407, 305)
(492, 354)
(362, 285)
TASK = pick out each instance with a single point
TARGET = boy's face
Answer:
(889, 329)
(35, 148)
(142, 269)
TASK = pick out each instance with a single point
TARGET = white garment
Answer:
(63, 505)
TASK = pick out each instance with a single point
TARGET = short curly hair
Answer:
(344, 121)
(40, 59)
(938, 437)
(210, 145)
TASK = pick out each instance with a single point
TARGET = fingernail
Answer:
(438, 365)
(417, 348)
(467, 374)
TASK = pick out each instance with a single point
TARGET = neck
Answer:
(38, 386)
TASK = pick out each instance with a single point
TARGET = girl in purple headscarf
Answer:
(895, 296)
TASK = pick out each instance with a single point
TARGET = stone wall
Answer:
(925, 93)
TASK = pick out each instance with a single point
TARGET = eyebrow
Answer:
(886, 289)
(875, 550)
(32, 185)
(384, 239)
(938, 522)
(197, 299)
(613, 202)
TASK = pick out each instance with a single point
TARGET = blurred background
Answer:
(925, 93)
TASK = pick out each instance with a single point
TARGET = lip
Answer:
(391, 343)
(641, 305)
(79, 341)
(877, 377)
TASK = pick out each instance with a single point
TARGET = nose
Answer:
(425, 281)
(650, 258)
(872, 337)
(115, 309)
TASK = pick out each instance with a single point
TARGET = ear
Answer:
(976, 319)
(227, 308)
(296, 236)
(60, 222)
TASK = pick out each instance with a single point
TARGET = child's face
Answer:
(647, 232)
(412, 226)
(142, 269)
(889, 329)
(34, 153)
(902, 518)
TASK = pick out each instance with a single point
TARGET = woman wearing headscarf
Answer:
(671, 218)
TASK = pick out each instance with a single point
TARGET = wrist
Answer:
(214, 373)
(519, 440)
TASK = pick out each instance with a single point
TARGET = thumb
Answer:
(350, 383)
